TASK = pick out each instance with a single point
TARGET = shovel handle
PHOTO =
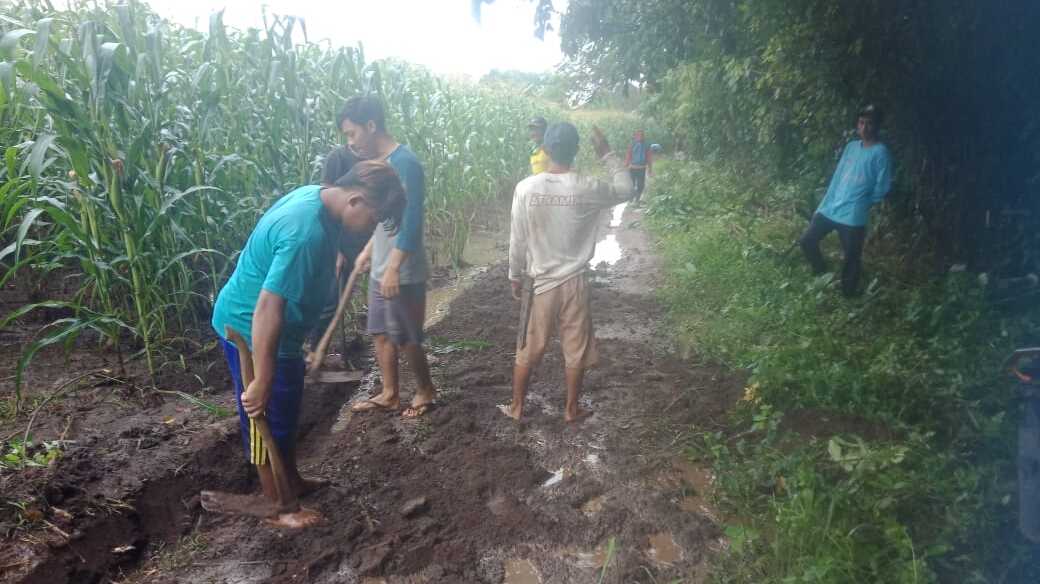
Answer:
(281, 477)
(318, 354)
(1017, 357)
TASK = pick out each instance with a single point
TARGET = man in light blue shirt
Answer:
(863, 178)
(282, 280)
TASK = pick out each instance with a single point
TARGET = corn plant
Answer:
(138, 155)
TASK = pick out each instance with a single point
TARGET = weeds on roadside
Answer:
(19, 454)
(927, 494)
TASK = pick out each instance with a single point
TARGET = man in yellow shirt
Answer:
(539, 157)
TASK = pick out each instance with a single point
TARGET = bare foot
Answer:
(235, 504)
(305, 487)
(296, 520)
(417, 411)
(377, 403)
(422, 402)
(511, 411)
(577, 416)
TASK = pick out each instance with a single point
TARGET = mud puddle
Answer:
(521, 572)
(663, 549)
(483, 249)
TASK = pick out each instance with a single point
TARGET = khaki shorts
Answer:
(566, 308)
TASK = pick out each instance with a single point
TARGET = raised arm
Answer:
(619, 188)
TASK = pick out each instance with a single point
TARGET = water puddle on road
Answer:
(617, 214)
(482, 250)
(588, 560)
(698, 483)
(608, 249)
(521, 572)
(663, 549)
(556, 478)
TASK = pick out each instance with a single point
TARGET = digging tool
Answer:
(286, 497)
(525, 311)
(318, 354)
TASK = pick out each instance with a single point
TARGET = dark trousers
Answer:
(638, 180)
(851, 248)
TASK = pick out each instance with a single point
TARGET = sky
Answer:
(440, 34)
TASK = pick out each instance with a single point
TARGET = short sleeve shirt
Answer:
(539, 160)
(291, 253)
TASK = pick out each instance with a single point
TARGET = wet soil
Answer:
(461, 495)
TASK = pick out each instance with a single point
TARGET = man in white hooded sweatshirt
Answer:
(555, 218)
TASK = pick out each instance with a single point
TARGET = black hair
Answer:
(561, 142)
(337, 164)
(362, 110)
(873, 112)
(382, 188)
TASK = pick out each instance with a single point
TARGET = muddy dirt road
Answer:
(463, 495)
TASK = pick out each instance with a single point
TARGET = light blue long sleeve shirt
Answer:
(863, 178)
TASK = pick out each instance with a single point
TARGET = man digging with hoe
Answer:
(272, 301)
(555, 218)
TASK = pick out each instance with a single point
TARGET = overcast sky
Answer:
(440, 34)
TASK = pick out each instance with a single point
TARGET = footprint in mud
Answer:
(663, 549)
(521, 572)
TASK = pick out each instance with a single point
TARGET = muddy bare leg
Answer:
(288, 512)
(262, 504)
(575, 377)
(521, 380)
(425, 393)
(386, 355)
(301, 486)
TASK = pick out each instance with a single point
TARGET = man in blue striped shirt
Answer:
(862, 179)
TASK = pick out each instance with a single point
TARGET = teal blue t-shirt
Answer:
(291, 253)
(863, 178)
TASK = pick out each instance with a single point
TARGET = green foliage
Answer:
(551, 87)
(915, 485)
(773, 88)
(18, 454)
(615, 41)
(139, 155)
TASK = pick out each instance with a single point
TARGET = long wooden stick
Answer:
(318, 354)
(286, 496)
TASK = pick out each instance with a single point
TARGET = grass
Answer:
(927, 497)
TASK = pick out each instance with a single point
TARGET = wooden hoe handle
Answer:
(318, 354)
(286, 496)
